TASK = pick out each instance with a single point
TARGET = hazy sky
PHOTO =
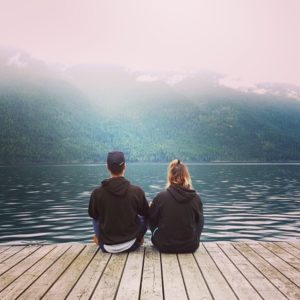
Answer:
(255, 39)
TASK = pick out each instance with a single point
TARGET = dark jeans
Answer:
(136, 245)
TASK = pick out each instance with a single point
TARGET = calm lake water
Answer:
(48, 204)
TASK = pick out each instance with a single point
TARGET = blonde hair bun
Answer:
(178, 173)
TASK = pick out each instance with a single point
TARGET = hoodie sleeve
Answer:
(200, 219)
(144, 207)
(154, 214)
(92, 210)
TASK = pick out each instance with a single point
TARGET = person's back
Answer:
(176, 215)
(118, 208)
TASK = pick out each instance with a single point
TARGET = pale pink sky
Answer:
(255, 39)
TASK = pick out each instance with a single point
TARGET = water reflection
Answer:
(45, 204)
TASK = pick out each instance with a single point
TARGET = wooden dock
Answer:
(239, 270)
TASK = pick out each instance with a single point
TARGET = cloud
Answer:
(147, 78)
(260, 91)
(168, 78)
(16, 61)
(237, 83)
(172, 80)
(247, 86)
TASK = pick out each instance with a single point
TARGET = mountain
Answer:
(76, 114)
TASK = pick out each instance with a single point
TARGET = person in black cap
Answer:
(119, 209)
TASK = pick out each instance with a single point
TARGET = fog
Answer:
(248, 40)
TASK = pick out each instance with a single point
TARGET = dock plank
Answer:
(64, 284)
(23, 266)
(15, 259)
(45, 281)
(132, 275)
(286, 256)
(288, 288)
(194, 281)
(278, 263)
(261, 284)
(217, 284)
(22, 283)
(88, 281)
(10, 252)
(237, 281)
(289, 248)
(173, 283)
(3, 248)
(295, 244)
(152, 279)
(109, 281)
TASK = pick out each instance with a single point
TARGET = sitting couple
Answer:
(121, 213)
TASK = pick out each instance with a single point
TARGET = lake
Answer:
(48, 204)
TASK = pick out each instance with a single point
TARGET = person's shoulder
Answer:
(197, 197)
(97, 190)
(161, 198)
(136, 189)
(162, 195)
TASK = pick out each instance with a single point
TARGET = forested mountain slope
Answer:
(47, 117)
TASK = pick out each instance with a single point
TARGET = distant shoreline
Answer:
(150, 162)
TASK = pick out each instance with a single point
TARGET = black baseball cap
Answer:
(115, 161)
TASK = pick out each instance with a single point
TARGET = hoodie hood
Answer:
(117, 186)
(181, 194)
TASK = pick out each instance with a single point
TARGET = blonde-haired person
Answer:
(176, 215)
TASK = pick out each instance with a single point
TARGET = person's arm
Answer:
(154, 214)
(92, 210)
(200, 221)
(144, 207)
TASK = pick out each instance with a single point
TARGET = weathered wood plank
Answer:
(130, 283)
(10, 252)
(218, 286)
(152, 279)
(236, 280)
(261, 284)
(109, 281)
(286, 256)
(216, 271)
(64, 284)
(87, 282)
(195, 285)
(15, 259)
(23, 282)
(23, 266)
(173, 283)
(287, 270)
(296, 244)
(45, 281)
(289, 248)
(279, 280)
(3, 248)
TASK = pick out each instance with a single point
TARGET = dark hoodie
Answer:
(176, 220)
(117, 204)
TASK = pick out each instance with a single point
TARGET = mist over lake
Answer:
(48, 204)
